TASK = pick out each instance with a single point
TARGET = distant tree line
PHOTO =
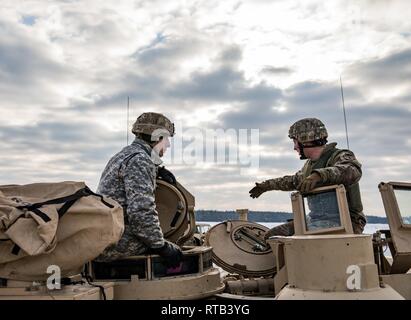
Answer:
(259, 216)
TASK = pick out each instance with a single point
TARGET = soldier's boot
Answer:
(285, 229)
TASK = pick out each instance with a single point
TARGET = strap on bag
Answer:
(67, 200)
(68, 203)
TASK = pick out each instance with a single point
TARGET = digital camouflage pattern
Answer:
(308, 130)
(130, 179)
(149, 122)
(335, 166)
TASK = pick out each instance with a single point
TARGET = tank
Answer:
(232, 260)
(324, 260)
(139, 277)
(146, 277)
(72, 288)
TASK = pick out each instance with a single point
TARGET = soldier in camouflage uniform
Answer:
(326, 165)
(130, 179)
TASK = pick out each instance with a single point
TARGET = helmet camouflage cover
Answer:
(149, 122)
(308, 130)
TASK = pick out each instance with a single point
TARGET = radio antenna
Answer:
(345, 117)
(128, 111)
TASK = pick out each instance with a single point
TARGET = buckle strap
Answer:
(67, 200)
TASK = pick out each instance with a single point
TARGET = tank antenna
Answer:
(128, 110)
(345, 118)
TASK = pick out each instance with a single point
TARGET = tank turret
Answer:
(324, 259)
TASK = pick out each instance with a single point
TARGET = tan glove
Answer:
(259, 189)
(309, 183)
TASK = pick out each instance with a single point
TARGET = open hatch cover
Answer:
(239, 247)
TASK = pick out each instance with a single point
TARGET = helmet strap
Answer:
(302, 155)
(315, 143)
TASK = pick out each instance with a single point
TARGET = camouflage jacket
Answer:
(343, 168)
(130, 179)
(334, 166)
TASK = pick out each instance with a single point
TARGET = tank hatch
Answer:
(175, 207)
(239, 247)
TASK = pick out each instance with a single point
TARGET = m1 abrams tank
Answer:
(144, 276)
(323, 260)
(327, 261)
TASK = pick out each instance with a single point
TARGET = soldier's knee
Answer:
(358, 226)
(286, 229)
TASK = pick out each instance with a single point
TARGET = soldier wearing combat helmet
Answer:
(130, 179)
(325, 165)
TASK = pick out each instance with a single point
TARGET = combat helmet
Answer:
(309, 133)
(309, 130)
(151, 122)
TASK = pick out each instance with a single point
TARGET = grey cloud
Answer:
(232, 55)
(150, 80)
(317, 96)
(140, 89)
(394, 69)
(237, 5)
(380, 129)
(56, 151)
(286, 164)
(306, 99)
(81, 140)
(29, 74)
(26, 63)
(165, 51)
(61, 132)
(99, 31)
(219, 27)
(251, 116)
(406, 98)
(271, 70)
(223, 85)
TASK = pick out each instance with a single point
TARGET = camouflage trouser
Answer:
(358, 225)
(287, 229)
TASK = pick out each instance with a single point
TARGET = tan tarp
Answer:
(32, 239)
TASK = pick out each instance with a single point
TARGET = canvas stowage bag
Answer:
(63, 224)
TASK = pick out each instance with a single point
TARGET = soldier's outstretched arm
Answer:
(345, 169)
(141, 208)
(286, 183)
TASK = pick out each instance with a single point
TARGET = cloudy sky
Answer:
(67, 68)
